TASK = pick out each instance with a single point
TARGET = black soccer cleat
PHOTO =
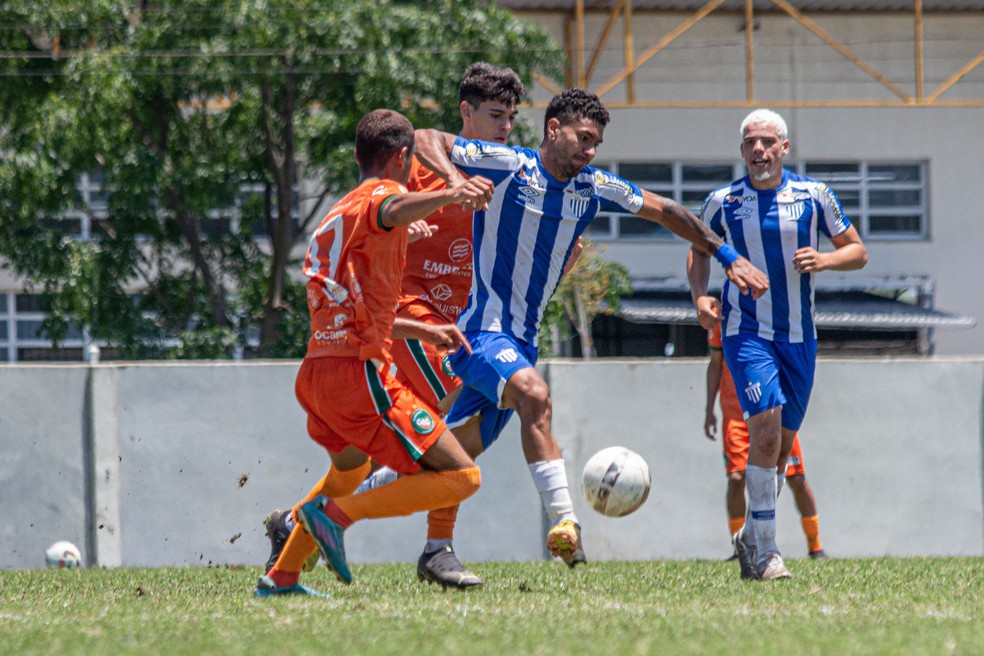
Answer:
(444, 568)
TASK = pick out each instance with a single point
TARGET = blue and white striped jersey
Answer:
(525, 238)
(767, 227)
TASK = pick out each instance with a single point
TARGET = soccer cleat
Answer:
(746, 556)
(265, 587)
(444, 568)
(328, 536)
(564, 542)
(276, 529)
(818, 554)
(378, 478)
(774, 569)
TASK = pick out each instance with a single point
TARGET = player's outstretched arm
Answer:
(404, 209)
(677, 219)
(445, 335)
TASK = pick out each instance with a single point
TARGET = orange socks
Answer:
(336, 483)
(424, 490)
(735, 524)
(300, 545)
(440, 523)
(811, 528)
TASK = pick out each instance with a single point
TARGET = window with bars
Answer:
(883, 200)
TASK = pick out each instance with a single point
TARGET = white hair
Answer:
(765, 117)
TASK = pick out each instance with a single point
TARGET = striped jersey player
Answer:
(767, 226)
(542, 202)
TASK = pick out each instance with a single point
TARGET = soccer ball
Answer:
(616, 481)
(63, 555)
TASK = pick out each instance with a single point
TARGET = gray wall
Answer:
(177, 464)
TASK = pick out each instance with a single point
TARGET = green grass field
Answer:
(878, 606)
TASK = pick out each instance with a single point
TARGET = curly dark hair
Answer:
(483, 82)
(379, 134)
(573, 105)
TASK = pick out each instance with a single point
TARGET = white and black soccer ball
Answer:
(63, 555)
(616, 481)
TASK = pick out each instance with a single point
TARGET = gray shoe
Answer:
(444, 568)
(276, 529)
(774, 569)
(746, 556)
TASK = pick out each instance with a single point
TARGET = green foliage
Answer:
(867, 607)
(593, 286)
(176, 105)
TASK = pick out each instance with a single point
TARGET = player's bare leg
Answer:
(527, 393)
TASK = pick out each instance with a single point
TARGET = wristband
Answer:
(726, 255)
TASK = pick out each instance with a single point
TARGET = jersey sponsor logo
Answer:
(754, 392)
(460, 250)
(767, 514)
(330, 335)
(422, 422)
(480, 149)
(440, 268)
(739, 199)
(529, 195)
(441, 292)
(605, 179)
(446, 367)
(507, 355)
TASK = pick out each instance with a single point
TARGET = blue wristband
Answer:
(726, 255)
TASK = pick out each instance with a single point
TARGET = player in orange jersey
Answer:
(356, 408)
(721, 386)
(435, 285)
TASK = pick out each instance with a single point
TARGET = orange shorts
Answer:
(350, 403)
(420, 365)
(736, 449)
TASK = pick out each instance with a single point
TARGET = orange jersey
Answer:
(439, 268)
(354, 266)
(728, 394)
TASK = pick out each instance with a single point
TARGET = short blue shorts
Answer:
(495, 357)
(769, 374)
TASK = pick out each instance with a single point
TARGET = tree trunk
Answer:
(282, 159)
(583, 325)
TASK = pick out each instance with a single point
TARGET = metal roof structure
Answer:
(847, 310)
(639, 47)
(852, 6)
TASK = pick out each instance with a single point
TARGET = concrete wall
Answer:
(177, 464)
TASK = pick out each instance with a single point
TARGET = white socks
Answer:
(550, 479)
(760, 482)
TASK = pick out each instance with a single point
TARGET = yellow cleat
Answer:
(564, 542)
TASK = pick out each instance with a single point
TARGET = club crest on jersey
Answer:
(579, 200)
(446, 367)
(422, 422)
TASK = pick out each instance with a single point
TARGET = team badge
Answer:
(446, 367)
(422, 422)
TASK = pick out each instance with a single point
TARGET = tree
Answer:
(209, 121)
(593, 286)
